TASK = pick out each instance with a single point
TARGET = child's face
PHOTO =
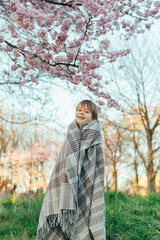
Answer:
(83, 114)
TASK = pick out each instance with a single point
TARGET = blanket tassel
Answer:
(66, 219)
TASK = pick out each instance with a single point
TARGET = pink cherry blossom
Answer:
(11, 27)
(76, 80)
(14, 67)
(14, 35)
(30, 27)
(38, 48)
(26, 67)
(33, 79)
(29, 43)
(16, 53)
(72, 42)
(101, 103)
(23, 75)
(22, 83)
(48, 56)
(1, 39)
(20, 44)
(42, 33)
(86, 82)
(148, 26)
(66, 24)
(61, 37)
(70, 57)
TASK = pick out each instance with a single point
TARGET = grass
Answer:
(19, 218)
(127, 218)
(132, 218)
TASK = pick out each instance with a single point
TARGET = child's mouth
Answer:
(81, 118)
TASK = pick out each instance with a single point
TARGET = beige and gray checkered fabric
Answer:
(73, 206)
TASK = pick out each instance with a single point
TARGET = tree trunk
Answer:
(150, 170)
(151, 182)
(136, 172)
(114, 172)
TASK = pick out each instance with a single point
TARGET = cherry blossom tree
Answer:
(28, 169)
(70, 40)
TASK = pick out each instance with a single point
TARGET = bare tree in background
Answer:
(138, 87)
(145, 141)
(115, 148)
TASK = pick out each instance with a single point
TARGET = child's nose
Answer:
(82, 111)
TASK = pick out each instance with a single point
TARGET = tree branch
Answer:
(68, 4)
(139, 18)
(155, 150)
(16, 122)
(83, 40)
(136, 147)
(158, 168)
(156, 124)
(14, 83)
(44, 61)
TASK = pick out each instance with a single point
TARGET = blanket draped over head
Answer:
(73, 206)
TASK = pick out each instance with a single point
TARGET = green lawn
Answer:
(132, 218)
(19, 220)
(127, 218)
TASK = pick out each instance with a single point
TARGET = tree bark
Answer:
(136, 172)
(151, 180)
(151, 183)
(150, 169)
(114, 172)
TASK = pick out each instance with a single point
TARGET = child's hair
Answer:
(91, 106)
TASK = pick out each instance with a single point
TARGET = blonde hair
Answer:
(91, 106)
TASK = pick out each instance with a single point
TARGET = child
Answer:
(73, 206)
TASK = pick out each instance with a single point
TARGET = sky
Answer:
(67, 102)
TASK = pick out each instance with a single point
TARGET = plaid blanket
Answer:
(73, 206)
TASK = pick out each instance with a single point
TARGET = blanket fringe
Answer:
(66, 219)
